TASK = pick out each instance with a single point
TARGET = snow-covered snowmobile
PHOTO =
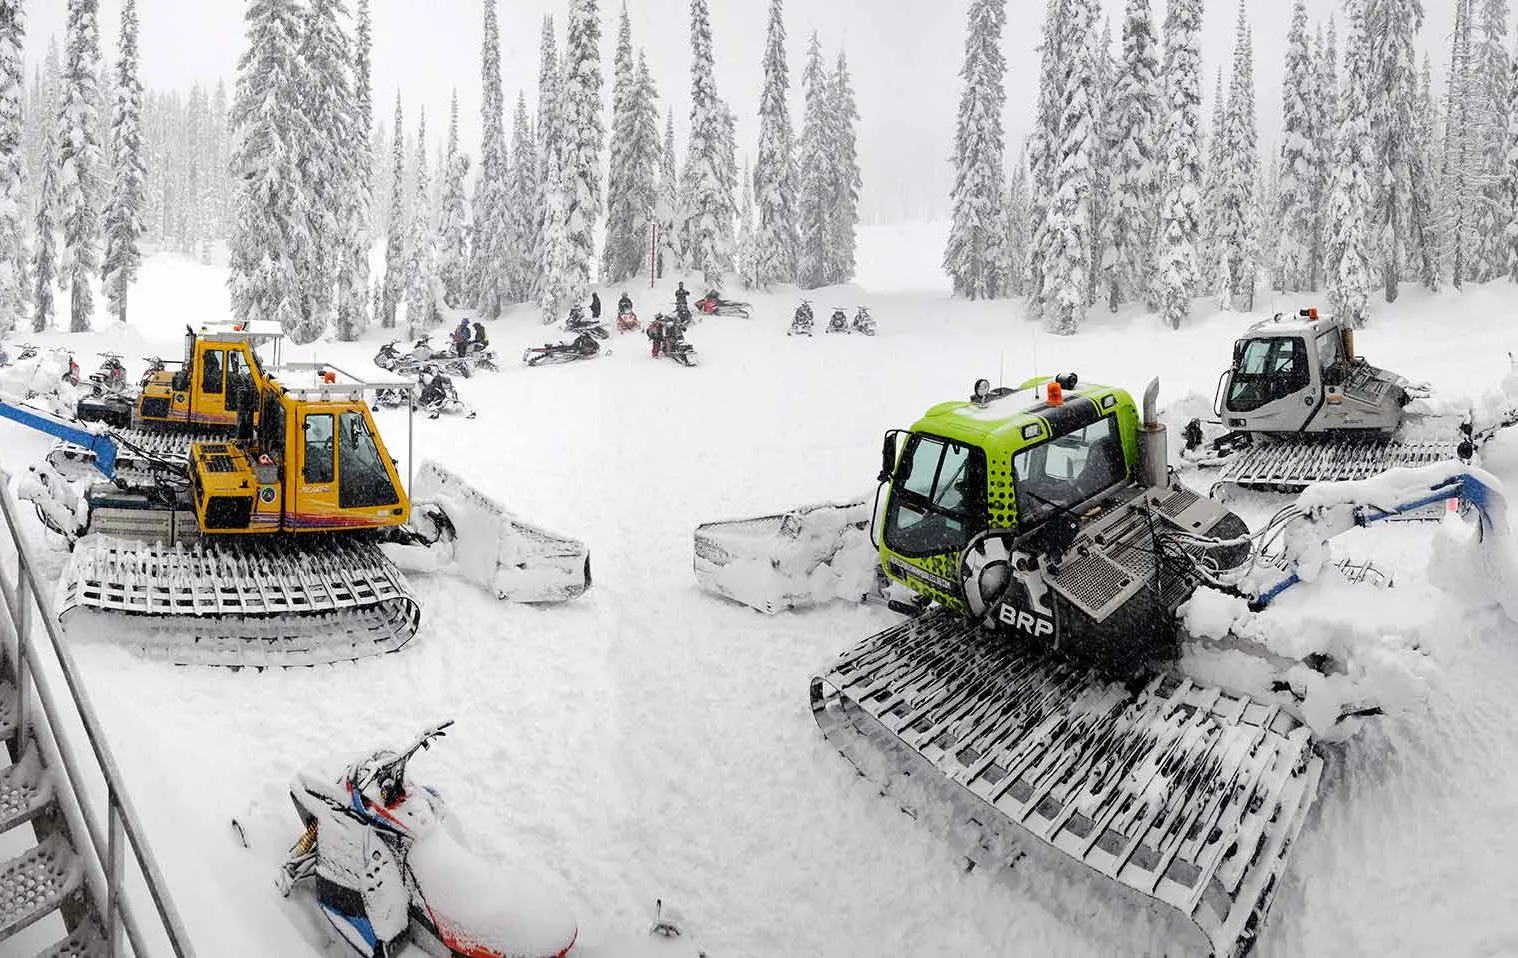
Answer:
(667, 337)
(586, 345)
(838, 322)
(578, 319)
(801, 322)
(627, 322)
(23, 351)
(110, 398)
(713, 304)
(388, 865)
(439, 395)
(391, 358)
(424, 355)
(1044, 701)
(110, 378)
(480, 356)
(863, 322)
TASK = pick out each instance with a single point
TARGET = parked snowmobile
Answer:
(863, 322)
(667, 337)
(627, 322)
(388, 866)
(110, 400)
(579, 319)
(801, 322)
(439, 395)
(1042, 697)
(23, 351)
(111, 377)
(586, 345)
(213, 561)
(1299, 407)
(839, 322)
(423, 355)
(391, 359)
(155, 365)
(713, 304)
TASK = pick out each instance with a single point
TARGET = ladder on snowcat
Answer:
(64, 884)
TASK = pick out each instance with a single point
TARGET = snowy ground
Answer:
(652, 740)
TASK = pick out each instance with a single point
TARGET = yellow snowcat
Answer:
(1033, 691)
(279, 544)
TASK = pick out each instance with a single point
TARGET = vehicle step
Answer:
(85, 942)
(25, 790)
(34, 884)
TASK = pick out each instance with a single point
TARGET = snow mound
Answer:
(39, 381)
(798, 559)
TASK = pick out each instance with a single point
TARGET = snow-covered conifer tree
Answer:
(13, 203)
(583, 134)
(45, 256)
(1399, 223)
(1042, 143)
(1210, 260)
(1129, 231)
(1348, 243)
(1103, 145)
(489, 284)
(123, 223)
(357, 202)
(1018, 231)
(453, 224)
(709, 176)
(743, 263)
(1427, 188)
(973, 257)
(522, 198)
(844, 218)
(634, 157)
(271, 231)
(1327, 124)
(1238, 175)
(394, 283)
(421, 273)
(1510, 188)
(668, 213)
(550, 144)
(1461, 122)
(1494, 75)
(79, 159)
(814, 202)
(775, 166)
(1176, 274)
(1065, 293)
(1295, 213)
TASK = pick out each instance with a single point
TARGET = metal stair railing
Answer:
(105, 879)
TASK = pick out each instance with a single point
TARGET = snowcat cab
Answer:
(1301, 375)
(1032, 511)
(220, 364)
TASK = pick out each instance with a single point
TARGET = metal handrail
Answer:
(122, 820)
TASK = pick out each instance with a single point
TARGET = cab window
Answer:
(1066, 471)
(1265, 370)
(938, 499)
(210, 371)
(237, 378)
(363, 479)
(1330, 352)
(319, 468)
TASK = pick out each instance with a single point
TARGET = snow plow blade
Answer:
(789, 560)
(488, 546)
(1181, 795)
(245, 604)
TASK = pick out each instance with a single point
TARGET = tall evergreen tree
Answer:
(1177, 275)
(1510, 184)
(1043, 142)
(1392, 26)
(522, 197)
(583, 135)
(394, 284)
(357, 202)
(1211, 254)
(634, 154)
(45, 256)
(453, 224)
(1493, 72)
(1128, 248)
(1065, 293)
(709, 174)
(1427, 187)
(844, 220)
(123, 215)
(1018, 231)
(1348, 243)
(1238, 176)
(670, 205)
(421, 273)
(549, 146)
(1296, 213)
(1460, 131)
(270, 236)
(1103, 145)
(13, 265)
(744, 258)
(79, 159)
(973, 257)
(490, 276)
(1327, 104)
(814, 202)
(775, 166)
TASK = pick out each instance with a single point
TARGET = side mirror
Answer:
(887, 457)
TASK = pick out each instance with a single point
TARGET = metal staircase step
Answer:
(35, 883)
(25, 790)
(85, 942)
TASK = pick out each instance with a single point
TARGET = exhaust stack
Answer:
(1154, 448)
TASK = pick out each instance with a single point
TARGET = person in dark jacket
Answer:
(481, 341)
(624, 305)
(681, 295)
(595, 305)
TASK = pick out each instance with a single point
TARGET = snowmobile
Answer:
(388, 864)
(481, 356)
(111, 377)
(839, 322)
(1298, 406)
(586, 345)
(1034, 688)
(391, 359)
(667, 337)
(801, 323)
(26, 351)
(713, 304)
(579, 320)
(423, 355)
(110, 399)
(627, 322)
(439, 395)
(155, 365)
(863, 322)
(280, 544)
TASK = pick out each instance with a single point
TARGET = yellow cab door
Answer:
(209, 406)
(346, 479)
(315, 505)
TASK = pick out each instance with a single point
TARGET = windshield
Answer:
(1065, 472)
(1265, 370)
(937, 498)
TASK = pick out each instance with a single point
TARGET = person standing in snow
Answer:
(461, 337)
(681, 295)
(595, 305)
(481, 341)
(624, 305)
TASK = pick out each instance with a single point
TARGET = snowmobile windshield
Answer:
(937, 497)
(1265, 370)
(1064, 472)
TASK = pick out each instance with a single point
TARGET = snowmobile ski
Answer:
(1184, 795)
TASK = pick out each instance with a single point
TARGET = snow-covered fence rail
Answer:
(39, 655)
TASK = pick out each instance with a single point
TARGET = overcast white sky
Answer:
(905, 56)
